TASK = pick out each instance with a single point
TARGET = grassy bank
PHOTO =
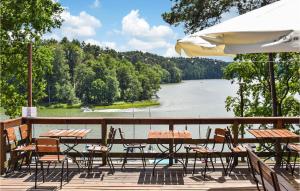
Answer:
(61, 110)
(116, 105)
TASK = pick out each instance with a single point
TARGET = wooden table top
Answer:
(75, 133)
(169, 135)
(272, 133)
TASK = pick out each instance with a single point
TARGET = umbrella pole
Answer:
(272, 85)
(29, 82)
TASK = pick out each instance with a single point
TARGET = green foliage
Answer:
(252, 69)
(174, 70)
(197, 15)
(22, 22)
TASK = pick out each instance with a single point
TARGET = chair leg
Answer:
(212, 164)
(48, 167)
(67, 170)
(62, 173)
(143, 159)
(195, 159)
(36, 172)
(206, 160)
(125, 159)
(223, 165)
(42, 167)
(186, 156)
(90, 158)
(232, 165)
(293, 168)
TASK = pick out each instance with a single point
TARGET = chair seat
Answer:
(97, 148)
(136, 145)
(294, 147)
(52, 158)
(192, 146)
(204, 150)
(239, 149)
(26, 148)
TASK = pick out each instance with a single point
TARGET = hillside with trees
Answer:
(92, 75)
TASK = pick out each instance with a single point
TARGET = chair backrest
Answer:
(229, 139)
(208, 132)
(268, 177)
(47, 145)
(11, 135)
(253, 160)
(24, 132)
(111, 136)
(220, 137)
(122, 136)
(121, 133)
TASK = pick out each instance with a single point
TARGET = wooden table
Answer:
(176, 138)
(68, 133)
(278, 134)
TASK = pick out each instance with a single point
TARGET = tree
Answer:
(74, 55)
(200, 14)
(23, 22)
(197, 15)
(252, 69)
(60, 88)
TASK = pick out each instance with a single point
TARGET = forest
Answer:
(89, 74)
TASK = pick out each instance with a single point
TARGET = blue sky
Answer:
(123, 25)
(120, 24)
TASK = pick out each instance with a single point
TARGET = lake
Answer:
(193, 98)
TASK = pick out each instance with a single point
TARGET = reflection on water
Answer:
(194, 98)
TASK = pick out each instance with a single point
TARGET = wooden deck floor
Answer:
(133, 178)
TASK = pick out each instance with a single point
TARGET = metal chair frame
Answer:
(189, 147)
(130, 148)
(111, 137)
(219, 138)
(51, 147)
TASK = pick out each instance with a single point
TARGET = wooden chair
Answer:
(92, 149)
(235, 151)
(48, 151)
(130, 148)
(26, 147)
(206, 153)
(266, 176)
(12, 142)
(190, 147)
(255, 171)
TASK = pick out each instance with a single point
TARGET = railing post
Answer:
(2, 148)
(235, 129)
(278, 125)
(171, 128)
(104, 139)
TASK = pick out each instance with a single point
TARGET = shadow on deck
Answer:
(134, 178)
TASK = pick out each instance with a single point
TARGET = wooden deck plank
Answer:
(134, 178)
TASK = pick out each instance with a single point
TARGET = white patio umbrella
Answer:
(269, 29)
(272, 28)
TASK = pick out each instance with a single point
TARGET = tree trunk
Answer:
(29, 80)
(272, 84)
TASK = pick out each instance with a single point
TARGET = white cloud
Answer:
(82, 25)
(137, 44)
(134, 25)
(108, 44)
(170, 52)
(144, 37)
(96, 4)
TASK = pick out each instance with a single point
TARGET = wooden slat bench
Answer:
(266, 176)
